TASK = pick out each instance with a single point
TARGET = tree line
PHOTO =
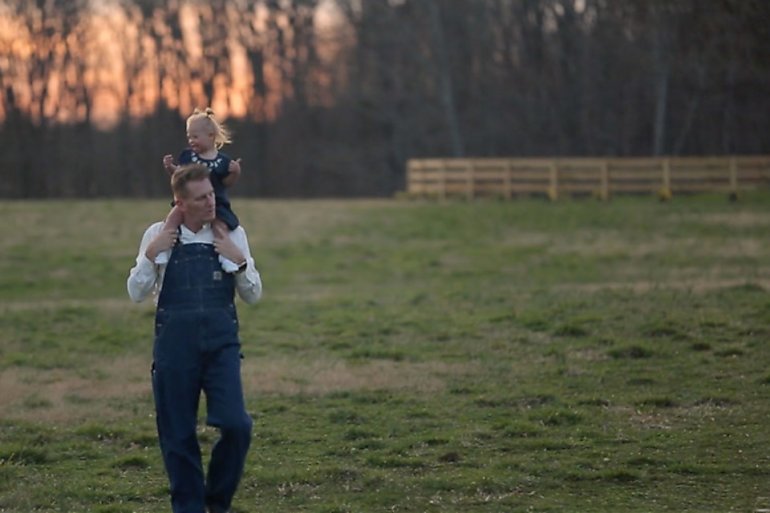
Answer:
(332, 97)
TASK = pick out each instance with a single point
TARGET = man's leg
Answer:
(176, 389)
(226, 411)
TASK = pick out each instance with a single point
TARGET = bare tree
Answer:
(441, 64)
(338, 110)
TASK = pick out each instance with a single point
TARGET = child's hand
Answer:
(235, 168)
(234, 172)
(168, 164)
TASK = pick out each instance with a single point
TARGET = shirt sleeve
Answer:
(185, 157)
(143, 277)
(249, 282)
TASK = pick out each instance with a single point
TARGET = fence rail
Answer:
(600, 177)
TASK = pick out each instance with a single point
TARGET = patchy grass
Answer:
(411, 356)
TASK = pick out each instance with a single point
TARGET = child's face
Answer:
(200, 137)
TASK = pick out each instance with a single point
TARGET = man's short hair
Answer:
(186, 174)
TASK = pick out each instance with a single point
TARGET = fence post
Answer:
(604, 192)
(409, 177)
(508, 179)
(733, 178)
(553, 187)
(471, 183)
(442, 180)
(665, 191)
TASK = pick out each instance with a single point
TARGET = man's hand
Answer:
(163, 241)
(168, 164)
(224, 244)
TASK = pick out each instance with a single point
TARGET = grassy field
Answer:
(412, 356)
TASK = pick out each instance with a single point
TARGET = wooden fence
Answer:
(600, 177)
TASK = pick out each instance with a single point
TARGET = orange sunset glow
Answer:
(113, 65)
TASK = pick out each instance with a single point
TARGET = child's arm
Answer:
(168, 164)
(174, 219)
(234, 173)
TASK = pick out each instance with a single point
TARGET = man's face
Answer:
(199, 205)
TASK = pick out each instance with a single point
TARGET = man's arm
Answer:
(143, 276)
(234, 245)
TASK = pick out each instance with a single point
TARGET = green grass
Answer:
(412, 356)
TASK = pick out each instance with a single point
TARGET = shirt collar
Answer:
(186, 231)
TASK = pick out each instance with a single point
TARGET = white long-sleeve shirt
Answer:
(146, 277)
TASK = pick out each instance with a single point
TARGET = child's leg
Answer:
(227, 265)
(173, 221)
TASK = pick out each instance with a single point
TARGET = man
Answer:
(196, 342)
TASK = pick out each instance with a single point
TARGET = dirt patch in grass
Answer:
(276, 223)
(591, 243)
(55, 395)
(105, 304)
(693, 285)
(744, 247)
(734, 219)
(644, 419)
(62, 395)
(322, 377)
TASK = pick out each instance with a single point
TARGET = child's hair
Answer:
(186, 174)
(221, 133)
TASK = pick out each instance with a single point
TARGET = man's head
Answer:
(194, 194)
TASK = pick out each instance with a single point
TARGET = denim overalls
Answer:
(197, 348)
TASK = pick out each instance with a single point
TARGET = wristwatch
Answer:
(242, 267)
